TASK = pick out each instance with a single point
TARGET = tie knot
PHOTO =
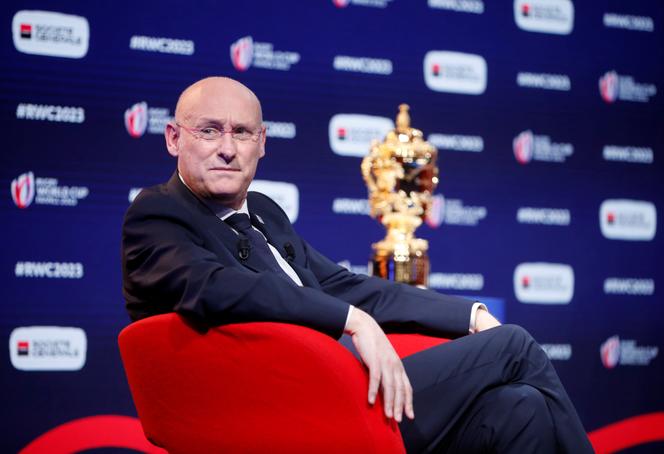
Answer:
(240, 222)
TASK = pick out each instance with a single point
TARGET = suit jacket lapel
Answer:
(257, 222)
(211, 222)
(307, 277)
(229, 238)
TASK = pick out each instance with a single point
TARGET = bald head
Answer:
(210, 88)
(221, 167)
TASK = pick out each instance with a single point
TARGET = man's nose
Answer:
(226, 147)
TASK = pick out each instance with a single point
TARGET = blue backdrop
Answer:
(547, 116)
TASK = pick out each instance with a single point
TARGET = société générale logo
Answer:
(455, 72)
(544, 283)
(352, 134)
(50, 33)
(48, 348)
(545, 16)
(626, 219)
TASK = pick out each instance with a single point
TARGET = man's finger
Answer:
(374, 383)
(399, 396)
(408, 407)
(388, 393)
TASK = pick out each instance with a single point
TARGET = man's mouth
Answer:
(225, 169)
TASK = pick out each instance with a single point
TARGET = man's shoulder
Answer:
(269, 212)
(263, 205)
(160, 208)
(170, 200)
(151, 198)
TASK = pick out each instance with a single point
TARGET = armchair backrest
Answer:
(250, 387)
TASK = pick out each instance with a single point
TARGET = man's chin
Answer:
(228, 197)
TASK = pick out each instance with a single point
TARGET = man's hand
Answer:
(484, 320)
(385, 367)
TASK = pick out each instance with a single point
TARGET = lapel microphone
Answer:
(243, 248)
(290, 252)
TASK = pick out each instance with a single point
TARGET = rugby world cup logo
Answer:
(608, 86)
(136, 119)
(436, 212)
(242, 53)
(23, 189)
(523, 145)
(610, 352)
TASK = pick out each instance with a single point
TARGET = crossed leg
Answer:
(494, 391)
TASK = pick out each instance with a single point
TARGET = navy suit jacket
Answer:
(177, 255)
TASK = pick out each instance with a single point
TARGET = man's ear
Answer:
(262, 142)
(172, 136)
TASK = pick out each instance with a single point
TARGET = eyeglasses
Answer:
(241, 134)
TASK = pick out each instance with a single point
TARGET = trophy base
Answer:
(413, 271)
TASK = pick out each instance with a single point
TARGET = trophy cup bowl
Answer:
(401, 175)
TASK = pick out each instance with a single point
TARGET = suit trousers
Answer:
(494, 391)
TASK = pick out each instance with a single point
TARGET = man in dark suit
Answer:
(202, 246)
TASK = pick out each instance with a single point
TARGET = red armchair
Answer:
(254, 387)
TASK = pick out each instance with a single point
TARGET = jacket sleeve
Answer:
(166, 267)
(396, 307)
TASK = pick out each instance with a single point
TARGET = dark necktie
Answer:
(258, 243)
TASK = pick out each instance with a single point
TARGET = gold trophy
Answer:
(401, 175)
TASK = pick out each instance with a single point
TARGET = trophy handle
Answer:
(366, 173)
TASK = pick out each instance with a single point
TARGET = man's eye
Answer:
(210, 131)
(240, 130)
